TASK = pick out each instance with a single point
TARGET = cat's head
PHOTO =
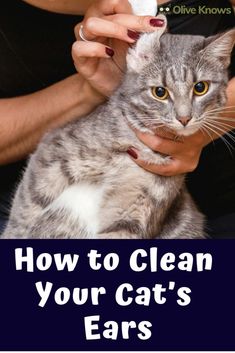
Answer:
(176, 80)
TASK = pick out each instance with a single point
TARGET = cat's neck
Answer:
(124, 113)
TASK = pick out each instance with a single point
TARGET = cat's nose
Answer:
(184, 120)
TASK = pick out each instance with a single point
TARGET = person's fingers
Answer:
(111, 7)
(159, 144)
(95, 27)
(82, 50)
(138, 23)
(173, 166)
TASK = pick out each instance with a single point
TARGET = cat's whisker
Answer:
(230, 135)
(225, 133)
(227, 127)
(204, 130)
(220, 109)
(218, 122)
(215, 117)
(217, 113)
(212, 128)
(228, 144)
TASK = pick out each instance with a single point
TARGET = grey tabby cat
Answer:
(81, 183)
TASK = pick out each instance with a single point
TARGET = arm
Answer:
(25, 119)
(74, 7)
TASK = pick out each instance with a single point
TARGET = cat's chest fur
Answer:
(81, 202)
(94, 207)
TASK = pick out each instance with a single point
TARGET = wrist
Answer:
(91, 97)
(87, 98)
(78, 99)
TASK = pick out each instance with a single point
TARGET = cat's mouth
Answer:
(174, 130)
(174, 133)
(184, 126)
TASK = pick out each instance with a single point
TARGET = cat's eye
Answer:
(160, 93)
(201, 88)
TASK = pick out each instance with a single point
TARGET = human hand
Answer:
(111, 28)
(184, 151)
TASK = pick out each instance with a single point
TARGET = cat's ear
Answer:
(142, 53)
(219, 47)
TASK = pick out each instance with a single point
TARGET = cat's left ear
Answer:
(220, 47)
(145, 49)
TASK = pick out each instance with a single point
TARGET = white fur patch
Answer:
(144, 7)
(160, 192)
(82, 202)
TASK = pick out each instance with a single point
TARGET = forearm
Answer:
(25, 119)
(75, 7)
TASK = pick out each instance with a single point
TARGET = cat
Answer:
(81, 183)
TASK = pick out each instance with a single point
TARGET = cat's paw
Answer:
(151, 157)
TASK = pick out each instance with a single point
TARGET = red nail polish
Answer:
(133, 35)
(156, 22)
(109, 51)
(132, 153)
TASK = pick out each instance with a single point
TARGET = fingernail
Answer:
(156, 22)
(109, 51)
(132, 153)
(133, 35)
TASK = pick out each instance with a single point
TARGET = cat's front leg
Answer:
(185, 221)
(125, 229)
(53, 169)
(151, 157)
